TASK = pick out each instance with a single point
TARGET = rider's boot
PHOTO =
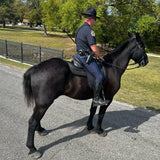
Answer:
(97, 90)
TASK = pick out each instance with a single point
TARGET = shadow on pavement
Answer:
(130, 120)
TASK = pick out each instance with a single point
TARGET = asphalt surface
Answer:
(133, 133)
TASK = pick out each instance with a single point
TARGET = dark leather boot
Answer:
(97, 90)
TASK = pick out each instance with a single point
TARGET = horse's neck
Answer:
(121, 60)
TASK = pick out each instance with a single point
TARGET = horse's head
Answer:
(138, 50)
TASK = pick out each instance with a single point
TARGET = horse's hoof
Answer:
(92, 131)
(35, 155)
(101, 132)
(43, 133)
(104, 134)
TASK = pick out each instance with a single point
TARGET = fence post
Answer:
(40, 54)
(21, 52)
(6, 48)
(62, 54)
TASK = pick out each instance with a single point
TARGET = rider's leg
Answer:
(96, 72)
(97, 91)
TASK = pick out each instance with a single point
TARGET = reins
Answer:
(133, 67)
(123, 68)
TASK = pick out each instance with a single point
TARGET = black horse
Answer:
(45, 82)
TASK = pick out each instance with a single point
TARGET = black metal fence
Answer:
(27, 53)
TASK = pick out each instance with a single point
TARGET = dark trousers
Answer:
(92, 67)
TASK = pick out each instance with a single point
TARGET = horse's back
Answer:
(55, 64)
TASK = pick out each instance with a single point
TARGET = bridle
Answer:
(140, 62)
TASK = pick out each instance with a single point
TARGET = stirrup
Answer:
(100, 102)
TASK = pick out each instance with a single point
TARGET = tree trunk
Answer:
(45, 30)
(4, 24)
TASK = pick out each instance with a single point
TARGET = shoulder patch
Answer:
(92, 33)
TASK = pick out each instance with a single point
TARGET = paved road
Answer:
(133, 134)
(152, 55)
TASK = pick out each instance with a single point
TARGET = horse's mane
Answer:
(109, 57)
(117, 50)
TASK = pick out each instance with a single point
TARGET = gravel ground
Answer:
(133, 133)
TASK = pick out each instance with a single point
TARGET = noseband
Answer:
(141, 59)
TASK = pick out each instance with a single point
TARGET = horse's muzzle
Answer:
(144, 61)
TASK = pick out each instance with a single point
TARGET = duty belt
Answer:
(83, 53)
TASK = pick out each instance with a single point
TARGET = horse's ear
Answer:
(130, 35)
(138, 37)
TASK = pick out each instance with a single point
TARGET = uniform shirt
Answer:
(85, 37)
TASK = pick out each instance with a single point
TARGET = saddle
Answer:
(77, 68)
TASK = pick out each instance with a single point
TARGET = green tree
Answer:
(50, 16)
(5, 10)
(146, 24)
(33, 12)
(66, 14)
(158, 13)
(18, 11)
(125, 15)
(157, 25)
(70, 12)
(117, 17)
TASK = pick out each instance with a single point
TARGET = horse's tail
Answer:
(27, 87)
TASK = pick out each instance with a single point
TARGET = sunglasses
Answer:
(94, 18)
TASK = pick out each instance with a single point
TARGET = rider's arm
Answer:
(96, 51)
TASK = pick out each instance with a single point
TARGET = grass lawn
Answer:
(13, 64)
(35, 37)
(140, 87)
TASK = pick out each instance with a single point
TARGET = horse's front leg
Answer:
(93, 109)
(101, 114)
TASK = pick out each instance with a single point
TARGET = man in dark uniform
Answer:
(86, 46)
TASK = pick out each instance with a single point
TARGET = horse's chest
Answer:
(112, 86)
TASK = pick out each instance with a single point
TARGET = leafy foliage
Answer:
(5, 10)
(117, 17)
(50, 13)
(33, 12)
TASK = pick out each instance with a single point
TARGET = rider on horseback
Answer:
(87, 48)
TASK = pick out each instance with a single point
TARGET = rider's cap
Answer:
(91, 12)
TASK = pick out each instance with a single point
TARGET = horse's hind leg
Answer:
(34, 123)
(41, 130)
